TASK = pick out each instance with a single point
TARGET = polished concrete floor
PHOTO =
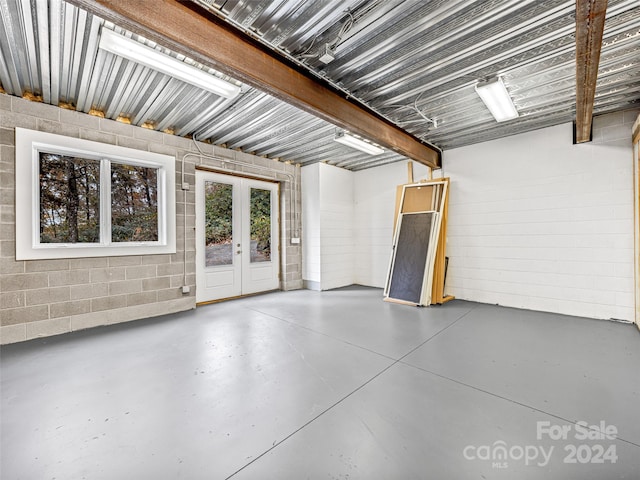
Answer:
(332, 385)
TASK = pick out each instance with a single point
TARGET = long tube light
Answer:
(357, 143)
(139, 53)
(495, 96)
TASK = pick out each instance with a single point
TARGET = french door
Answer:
(237, 241)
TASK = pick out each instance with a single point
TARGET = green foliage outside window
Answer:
(219, 216)
(70, 201)
(261, 220)
(218, 213)
(134, 203)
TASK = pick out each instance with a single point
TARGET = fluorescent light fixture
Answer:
(495, 96)
(357, 143)
(158, 61)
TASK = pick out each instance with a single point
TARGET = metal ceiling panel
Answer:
(411, 61)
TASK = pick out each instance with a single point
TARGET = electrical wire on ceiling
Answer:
(320, 74)
(326, 53)
(414, 108)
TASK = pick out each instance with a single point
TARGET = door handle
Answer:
(239, 251)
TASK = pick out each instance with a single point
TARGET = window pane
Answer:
(260, 214)
(134, 203)
(218, 207)
(69, 199)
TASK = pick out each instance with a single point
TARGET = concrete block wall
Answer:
(536, 222)
(336, 225)
(328, 235)
(311, 258)
(48, 297)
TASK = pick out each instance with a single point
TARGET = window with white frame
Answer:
(78, 198)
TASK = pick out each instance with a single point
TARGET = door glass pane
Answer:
(260, 213)
(134, 203)
(218, 207)
(69, 199)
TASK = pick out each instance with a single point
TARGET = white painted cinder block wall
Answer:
(535, 222)
(538, 223)
(310, 187)
(328, 240)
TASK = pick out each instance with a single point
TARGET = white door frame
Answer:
(242, 276)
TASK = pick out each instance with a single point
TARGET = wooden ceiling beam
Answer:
(590, 16)
(190, 30)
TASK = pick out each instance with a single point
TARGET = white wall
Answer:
(538, 223)
(375, 197)
(328, 213)
(311, 226)
(534, 221)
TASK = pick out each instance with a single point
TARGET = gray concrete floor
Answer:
(332, 385)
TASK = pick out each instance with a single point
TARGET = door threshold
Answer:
(219, 300)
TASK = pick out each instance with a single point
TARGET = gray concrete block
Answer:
(124, 261)
(12, 300)
(47, 328)
(87, 263)
(7, 194)
(13, 316)
(125, 286)
(157, 283)
(140, 298)
(7, 160)
(42, 296)
(58, 128)
(46, 265)
(7, 214)
(24, 281)
(149, 135)
(170, 269)
(142, 271)
(8, 265)
(12, 120)
(88, 320)
(155, 259)
(89, 290)
(176, 141)
(169, 294)
(80, 119)
(35, 109)
(108, 303)
(71, 277)
(118, 128)
(111, 274)
(96, 136)
(13, 334)
(163, 149)
(65, 309)
(133, 143)
(5, 102)
(7, 136)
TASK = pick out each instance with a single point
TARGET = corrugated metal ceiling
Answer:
(412, 61)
